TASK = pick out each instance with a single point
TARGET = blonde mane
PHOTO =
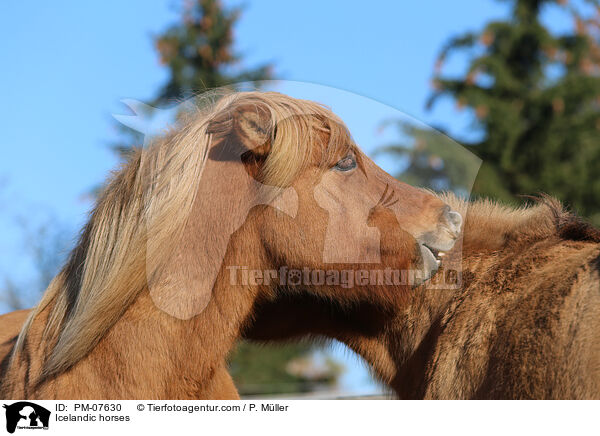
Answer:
(108, 268)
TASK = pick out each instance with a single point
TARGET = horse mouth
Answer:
(437, 254)
(431, 261)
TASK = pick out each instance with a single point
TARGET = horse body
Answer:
(145, 306)
(522, 325)
(525, 332)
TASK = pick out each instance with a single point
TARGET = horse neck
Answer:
(146, 354)
(400, 352)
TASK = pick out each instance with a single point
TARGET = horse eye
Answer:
(346, 164)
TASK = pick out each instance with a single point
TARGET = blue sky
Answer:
(66, 66)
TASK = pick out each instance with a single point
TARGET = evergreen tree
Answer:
(430, 159)
(535, 98)
(199, 56)
(199, 52)
(290, 368)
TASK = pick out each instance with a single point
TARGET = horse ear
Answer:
(245, 133)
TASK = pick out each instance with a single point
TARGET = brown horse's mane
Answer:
(491, 226)
(108, 268)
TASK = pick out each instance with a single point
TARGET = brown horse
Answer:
(524, 324)
(156, 293)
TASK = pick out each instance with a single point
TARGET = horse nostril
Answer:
(454, 220)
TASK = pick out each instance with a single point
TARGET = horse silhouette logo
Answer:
(26, 415)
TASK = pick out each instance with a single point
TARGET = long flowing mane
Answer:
(107, 270)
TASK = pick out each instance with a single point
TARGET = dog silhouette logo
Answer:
(26, 415)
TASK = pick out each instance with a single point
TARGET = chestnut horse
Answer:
(524, 324)
(154, 296)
